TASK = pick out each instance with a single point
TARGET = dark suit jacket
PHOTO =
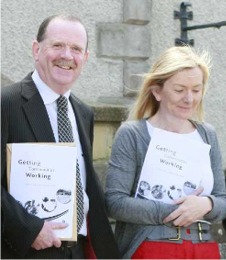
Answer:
(25, 119)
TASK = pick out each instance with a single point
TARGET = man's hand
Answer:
(46, 237)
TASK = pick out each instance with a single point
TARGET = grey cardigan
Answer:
(136, 219)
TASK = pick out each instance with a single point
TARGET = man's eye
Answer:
(57, 45)
(76, 48)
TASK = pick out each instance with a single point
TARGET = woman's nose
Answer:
(188, 97)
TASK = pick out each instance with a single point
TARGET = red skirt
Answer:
(164, 250)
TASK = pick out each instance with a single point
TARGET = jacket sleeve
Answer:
(19, 229)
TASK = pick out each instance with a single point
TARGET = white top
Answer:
(194, 135)
(50, 100)
(175, 165)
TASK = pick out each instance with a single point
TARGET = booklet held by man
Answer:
(175, 165)
(42, 178)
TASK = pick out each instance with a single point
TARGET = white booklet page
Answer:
(42, 177)
(174, 166)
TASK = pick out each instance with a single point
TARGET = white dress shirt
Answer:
(50, 100)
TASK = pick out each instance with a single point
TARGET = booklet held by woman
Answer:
(175, 165)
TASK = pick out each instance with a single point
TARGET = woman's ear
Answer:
(156, 91)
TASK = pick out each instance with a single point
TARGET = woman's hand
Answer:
(191, 209)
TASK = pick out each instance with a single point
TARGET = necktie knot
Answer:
(62, 103)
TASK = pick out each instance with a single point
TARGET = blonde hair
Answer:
(173, 60)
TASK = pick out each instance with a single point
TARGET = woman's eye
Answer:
(196, 91)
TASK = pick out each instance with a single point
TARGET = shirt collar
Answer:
(47, 94)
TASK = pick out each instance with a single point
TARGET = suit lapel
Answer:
(35, 112)
(38, 119)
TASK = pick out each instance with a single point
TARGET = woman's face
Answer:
(181, 94)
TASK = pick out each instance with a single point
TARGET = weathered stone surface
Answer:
(101, 167)
(123, 41)
(104, 135)
(109, 109)
(133, 76)
(5, 80)
(110, 113)
(137, 12)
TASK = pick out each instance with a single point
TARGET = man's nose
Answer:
(66, 53)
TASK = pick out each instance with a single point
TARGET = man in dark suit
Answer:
(29, 114)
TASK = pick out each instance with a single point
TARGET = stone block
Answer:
(123, 41)
(103, 137)
(100, 167)
(137, 12)
(133, 76)
(109, 113)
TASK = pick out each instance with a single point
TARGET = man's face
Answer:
(60, 57)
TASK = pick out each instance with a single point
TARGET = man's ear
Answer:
(156, 91)
(35, 49)
(86, 57)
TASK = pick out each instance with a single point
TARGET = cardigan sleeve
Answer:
(218, 194)
(128, 153)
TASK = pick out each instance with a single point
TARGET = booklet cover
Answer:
(42, 178)
(174, 166)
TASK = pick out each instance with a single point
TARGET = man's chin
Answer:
(65, 78)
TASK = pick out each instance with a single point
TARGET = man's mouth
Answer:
(65, 66)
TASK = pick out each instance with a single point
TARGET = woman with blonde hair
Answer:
(169, 63)
(170, 101)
